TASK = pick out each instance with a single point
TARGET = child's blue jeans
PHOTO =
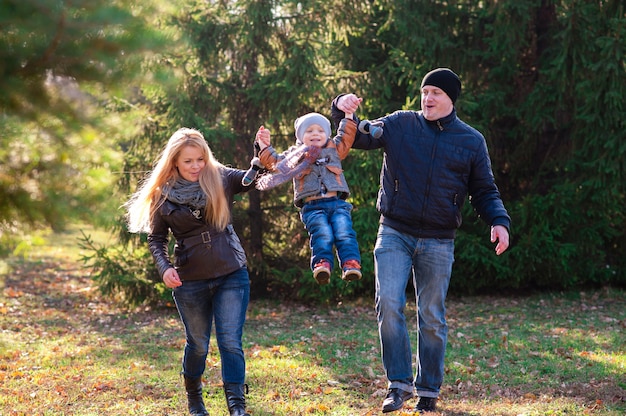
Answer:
(329, 222)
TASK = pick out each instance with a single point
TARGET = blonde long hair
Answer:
(144, 203)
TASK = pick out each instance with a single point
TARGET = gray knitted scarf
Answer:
(184, 192)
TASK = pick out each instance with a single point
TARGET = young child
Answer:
(320, 190)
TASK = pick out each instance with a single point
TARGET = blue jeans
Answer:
(397, 256)
(329, 222)
(224, 299)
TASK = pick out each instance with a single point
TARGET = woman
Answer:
(190, 194)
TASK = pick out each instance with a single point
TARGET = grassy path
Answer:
(65, 350)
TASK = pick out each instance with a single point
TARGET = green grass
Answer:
(65, 350)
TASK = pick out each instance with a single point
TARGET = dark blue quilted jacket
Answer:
(429, 170)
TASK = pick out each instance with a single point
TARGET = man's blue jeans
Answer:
(397, 256)
(329, 222)
(224, 299)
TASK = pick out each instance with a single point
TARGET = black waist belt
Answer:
(204, 237)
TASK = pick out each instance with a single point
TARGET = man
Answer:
(432, 163)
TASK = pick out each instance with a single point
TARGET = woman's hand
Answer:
(171, 279)
(263, 137)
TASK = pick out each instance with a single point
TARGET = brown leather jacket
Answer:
(201, 252)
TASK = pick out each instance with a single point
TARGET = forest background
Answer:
(92, 89)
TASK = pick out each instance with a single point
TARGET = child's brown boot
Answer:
(351, 271)
(321, 272)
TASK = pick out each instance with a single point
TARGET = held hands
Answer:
(348, 104)
(263, 137)
(171, 279)
(500, 234)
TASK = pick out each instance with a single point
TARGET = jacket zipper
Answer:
(430, 173)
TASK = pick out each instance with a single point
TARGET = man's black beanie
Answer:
(445, 79)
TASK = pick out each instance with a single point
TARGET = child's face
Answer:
(314, 135)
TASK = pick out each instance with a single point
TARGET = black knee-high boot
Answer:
(235, 398)
(193, 386)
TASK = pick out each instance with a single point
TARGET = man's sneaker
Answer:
(395, 399)
(321, 272)
(351, 271)
(426, 404)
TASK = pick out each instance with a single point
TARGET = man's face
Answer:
(435, 103)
